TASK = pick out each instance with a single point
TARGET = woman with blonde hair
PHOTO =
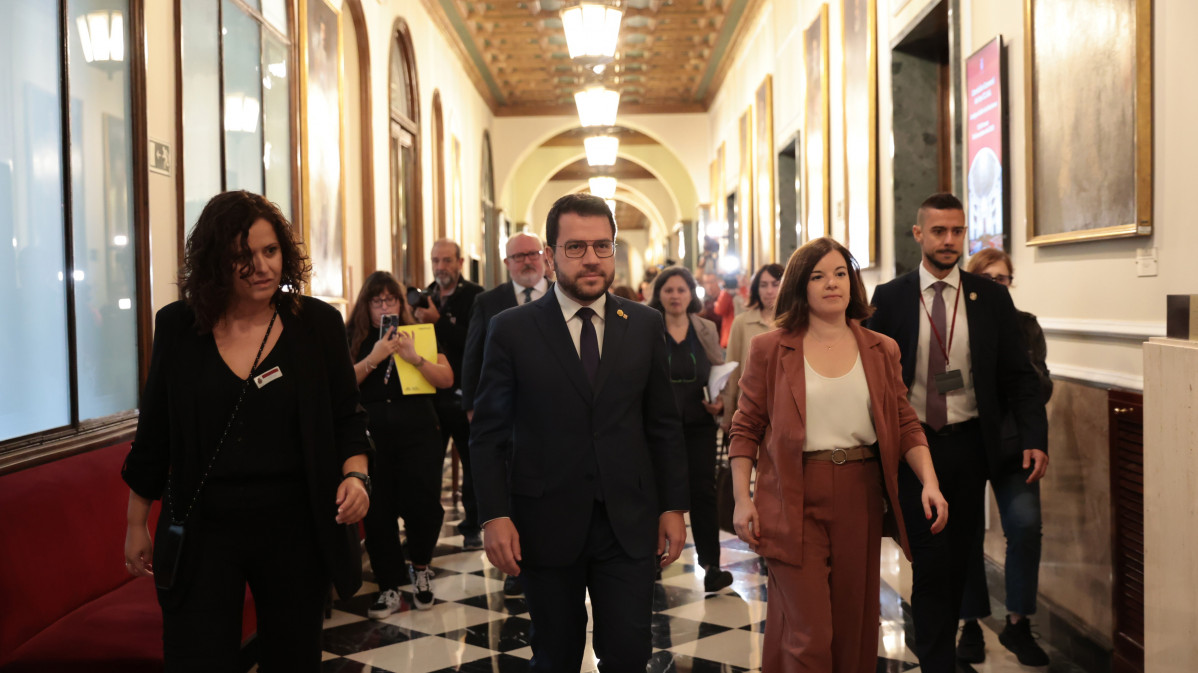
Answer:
(823, 417)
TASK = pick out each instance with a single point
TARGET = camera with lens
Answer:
(418, 298)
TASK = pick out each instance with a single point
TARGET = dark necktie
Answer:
(937, 409)
(527, 295)
(588, 344)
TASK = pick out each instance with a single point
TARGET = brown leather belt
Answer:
(842, 456)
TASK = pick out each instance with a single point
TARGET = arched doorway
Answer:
(493, 255)
(407, 229)
(439, 214)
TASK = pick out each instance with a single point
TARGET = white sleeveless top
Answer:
(838, 413)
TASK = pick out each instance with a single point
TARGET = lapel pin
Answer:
(973, 296)
(620, 312)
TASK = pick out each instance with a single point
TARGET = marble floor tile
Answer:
(736, 647)
(421, 656)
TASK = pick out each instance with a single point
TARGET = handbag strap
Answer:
(233, 416)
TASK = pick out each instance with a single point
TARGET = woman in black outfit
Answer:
(694, 346)
(251, 432)
(407, 438)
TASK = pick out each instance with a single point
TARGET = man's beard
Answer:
(445, 279)
(570, 287)
(941, 265)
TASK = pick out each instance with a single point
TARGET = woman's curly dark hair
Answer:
(218, 244)
(359, 318)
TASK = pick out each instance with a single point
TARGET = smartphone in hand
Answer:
(388, 322)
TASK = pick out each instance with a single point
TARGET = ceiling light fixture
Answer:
(597, 105)
(102, 36)
(592, 31)
(603, 186)
(601, 150)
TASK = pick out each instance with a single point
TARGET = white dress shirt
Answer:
(574, 323)
(538, 290)
(962, 403)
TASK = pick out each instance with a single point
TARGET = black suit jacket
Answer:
(452, 327)
(486, 306)
(1003, 376)
(623, 436)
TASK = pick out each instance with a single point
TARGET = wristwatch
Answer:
(364, 477)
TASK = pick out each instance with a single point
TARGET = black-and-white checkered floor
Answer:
(474, 628)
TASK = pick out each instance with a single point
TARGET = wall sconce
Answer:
(102, 35)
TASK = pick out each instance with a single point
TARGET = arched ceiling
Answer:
(672, 54)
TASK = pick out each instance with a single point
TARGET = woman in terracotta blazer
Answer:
(824, 418)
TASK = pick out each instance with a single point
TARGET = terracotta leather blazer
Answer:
(769, 427)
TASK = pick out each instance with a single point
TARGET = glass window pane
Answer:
(276, 122)
(200, 27)
(275, 12)
(399, 87)
(33, 336)
(102, 209)
(243, 100)
(254, 4)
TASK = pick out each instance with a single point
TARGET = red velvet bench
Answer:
(66, 601)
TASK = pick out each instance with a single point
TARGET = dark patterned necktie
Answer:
(588, 343)
(527, 295)
(937, 409)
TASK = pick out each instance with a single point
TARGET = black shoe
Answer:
(1018, 638)
(472, 541)
(512, 587)
(715, 579)
(971, 648)
(388, 602)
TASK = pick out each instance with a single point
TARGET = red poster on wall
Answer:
(986, 141)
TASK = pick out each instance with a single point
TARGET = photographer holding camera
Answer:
(446, 304)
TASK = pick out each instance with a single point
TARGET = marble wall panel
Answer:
(915, 83)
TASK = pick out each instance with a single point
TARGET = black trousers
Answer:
(406, 478)
(455, 426)
(275, 551)
(700, 454)
(621, 591)
(939, 561)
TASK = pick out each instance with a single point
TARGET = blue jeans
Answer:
(1019, 510)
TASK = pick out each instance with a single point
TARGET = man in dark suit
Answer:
(964, 364)
(593, 495)
(525, 262)
(450, 298)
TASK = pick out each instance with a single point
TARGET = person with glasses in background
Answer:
(1018, 498)
(590, 495)
(693, 346)
(409, 451)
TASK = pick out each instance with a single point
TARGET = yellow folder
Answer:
(410, 378)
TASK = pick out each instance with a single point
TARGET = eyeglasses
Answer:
(383, 302)
(694, 369)
(577, 249)
(1000, 278)
(521, 257)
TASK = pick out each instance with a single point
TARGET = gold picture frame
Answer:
(765, 208)
(322, 164)
(744, 191)
(1088, 143)
(859, 67)
(817, 151)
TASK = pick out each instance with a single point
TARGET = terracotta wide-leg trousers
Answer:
(822, 617)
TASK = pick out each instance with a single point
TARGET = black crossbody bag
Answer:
(168, 548)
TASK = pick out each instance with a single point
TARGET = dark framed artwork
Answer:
(322, 165)
(766, 229)
(860, 69)
(987, 185)
(817, 155)
(1088, 120)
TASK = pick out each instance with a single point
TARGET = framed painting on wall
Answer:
(817, 209)
(321, 162)
(766, 230)
(860, 110)
(744, 191)
(1089, 120)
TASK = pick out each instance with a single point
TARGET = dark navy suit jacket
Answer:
(487, 305)
(1003, 376)
(621, 439)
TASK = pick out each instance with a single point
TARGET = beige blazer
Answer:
(769, 427)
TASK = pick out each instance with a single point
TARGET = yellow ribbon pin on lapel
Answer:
(620, 312)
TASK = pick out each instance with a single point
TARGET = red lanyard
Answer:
(952, 328)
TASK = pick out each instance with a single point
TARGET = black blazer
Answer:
(624, 436)
(486, 306)
(333, 424)
(1003, 376)
(451, 328)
